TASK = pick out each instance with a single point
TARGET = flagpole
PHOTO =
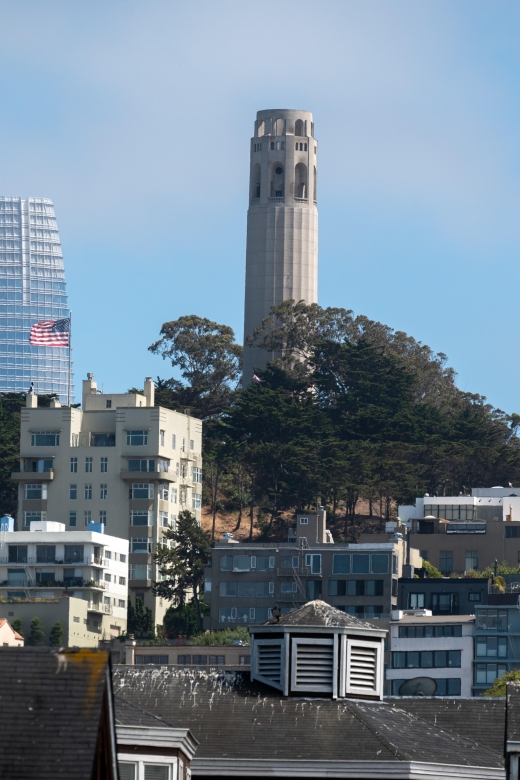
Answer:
(70, 356)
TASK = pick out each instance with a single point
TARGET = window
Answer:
(474, 596)
(75, 440)
(374, 587)
(163, 492)
(163, 519)
(173, 521)
(288, 587)
(217, 660)
(241, 563)
(445, 603)
(226, 563)
(173, 492)
(174, 441)
(244, 660)
(102, 517)
(141, 545)
(395, 564)
(313, 589)
(102, 440)
(106, 600)
(140, 571)
(141, 517)
(304, 520)
(445, 687)
(340, 564)
(429, 631)
(45, 553)
(288, 562)
(122, 602)
(88, 465)
(141, 464)
(446, 561)
(122, 557)
(161, 437)
(74, 553)
(451, 511)
(88, 490)
(228, 589)
(39, 466)
(356, 588)
(87, 514)
(360, 563)
(108, 554)
(18, 554)
(247, 589)
(492, 620)
(104, 465)
(416, 601)
(488, 673)
(379, 564)
(192, 444)
(424, 554)
(30, 517)
(470, 560)
(314, 562)
(184, 660)
(137, 438)
(426, 659)
(108, 404)
(200, 660)
(74, 465)
(45, 439)
(122, 580)
(227, 615)
(72, 518)
(73, 491)
(196, 500)
(103, 491)
(108, 577)
(512, 531)
(264, 589)
(266, 562)
(491, 646)
(141, 490)
(36, 491)
(197, 475)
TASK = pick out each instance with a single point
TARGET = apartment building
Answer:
(46, 563)
(431, 655)
(495, 503)
(119, 461)
(497, 636)
(246, 580)
(446, 596)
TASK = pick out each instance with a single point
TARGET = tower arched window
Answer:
(261, 128)
(255, 182)
(299, 127)
(277, 181)
(300, 181)
(315, 185)
(278, 127)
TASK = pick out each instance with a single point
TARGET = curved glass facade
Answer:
(32, 288)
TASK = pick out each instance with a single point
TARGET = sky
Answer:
(134, 117)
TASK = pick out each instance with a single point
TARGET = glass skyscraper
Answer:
(32, 288)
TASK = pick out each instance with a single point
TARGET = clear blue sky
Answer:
(134, 116)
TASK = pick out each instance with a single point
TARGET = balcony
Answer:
(276, 200)
(301, 200)
(31, 561)
(32, 476)
(300, 571)
(147, 476)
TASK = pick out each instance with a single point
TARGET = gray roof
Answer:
(481, 719)
(319, 613)
(127, 714)
(51, 711)
(235, 719)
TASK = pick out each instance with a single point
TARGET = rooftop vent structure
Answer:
(319, 650)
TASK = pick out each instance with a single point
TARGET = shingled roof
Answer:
(238, 722)
(319, 613)
(54, 714)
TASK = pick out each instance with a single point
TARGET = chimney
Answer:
(31, 399)
(149, 391)
(89, 388)
(55, 403)
(130, 645)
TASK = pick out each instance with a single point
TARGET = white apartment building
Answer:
(431, 655)
(484, 504)
(119, 461)
(45, 563)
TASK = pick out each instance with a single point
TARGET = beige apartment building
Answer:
(120, 461)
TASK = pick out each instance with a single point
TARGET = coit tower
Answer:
(282, 221)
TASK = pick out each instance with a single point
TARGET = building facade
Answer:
(282, 221)
(47, 562)
(431, 655)
(246, 580)
(446, 596)
(497, 638)
(119, 461)
(32, 288)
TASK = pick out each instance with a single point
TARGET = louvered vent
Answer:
(314, 666)
(362, 671)
(269, 662)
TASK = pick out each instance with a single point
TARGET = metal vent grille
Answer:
(314, 668)
(269, 663)
(362, 670)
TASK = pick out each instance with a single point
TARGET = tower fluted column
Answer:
(282, 221)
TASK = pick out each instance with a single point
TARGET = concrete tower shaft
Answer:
(282, 220)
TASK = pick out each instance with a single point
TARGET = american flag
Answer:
(50, 333)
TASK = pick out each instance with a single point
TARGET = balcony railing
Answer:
(32, 561)
(276, 200)
(300, 571)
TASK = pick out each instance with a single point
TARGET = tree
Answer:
(209, 361)
(56, 635)
(228, 636)
(499, 686)
(37, 635)
(183, 621)
(17, 625)
(183, 564)
(140, 620)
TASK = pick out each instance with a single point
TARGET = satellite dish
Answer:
(418, 686)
